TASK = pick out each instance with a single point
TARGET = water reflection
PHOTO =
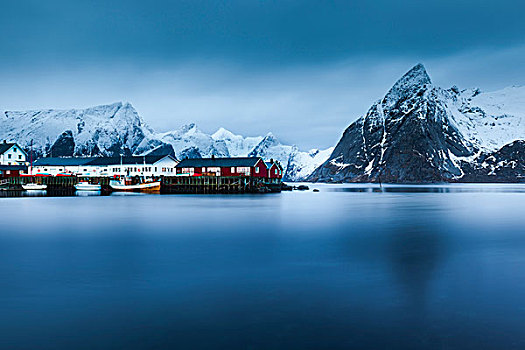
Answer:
(327, 270)
(34, 193)
(131, 194)
(83, 193)
(448, 188)
(415, 251)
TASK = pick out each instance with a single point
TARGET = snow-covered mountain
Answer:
(101, 130)
(420, 132)
(110, 130)
(190, 142)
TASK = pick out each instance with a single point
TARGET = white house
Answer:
(12, 154)
(148, 166)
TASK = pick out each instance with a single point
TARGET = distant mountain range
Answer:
(111, 130)
(417, 133)
(421, 133)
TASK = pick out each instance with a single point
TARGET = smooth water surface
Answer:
(353, 266)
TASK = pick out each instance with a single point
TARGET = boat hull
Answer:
(87, 187)
(143, 187)
(34, 187)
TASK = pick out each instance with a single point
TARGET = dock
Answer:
(169, 184)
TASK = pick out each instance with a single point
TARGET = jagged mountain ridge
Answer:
(110, 130)
(100, 130)
(422, 133)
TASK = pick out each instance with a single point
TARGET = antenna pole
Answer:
(31, 157)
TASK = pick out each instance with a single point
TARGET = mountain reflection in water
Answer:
(352, 266)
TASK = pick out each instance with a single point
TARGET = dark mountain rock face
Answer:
(162, 150)
(505, 165)
(411, 136)
(190, 153)
(64, 146)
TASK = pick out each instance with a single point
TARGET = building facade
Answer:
(244, 166)
(12, 154)
(148, 166)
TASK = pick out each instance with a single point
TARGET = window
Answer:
(9, 156)
(155, 169)
(257, 170)
(203, 169)
(243, 170)
(232, 169)
(275, 171)
(14, 149)
(19, 156)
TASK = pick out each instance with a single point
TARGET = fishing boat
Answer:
(33, 186)
(86, 186)
(143, 186)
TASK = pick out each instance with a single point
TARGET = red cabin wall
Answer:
(12, 173)
(263, 172)
(272, 174)
(226, 171)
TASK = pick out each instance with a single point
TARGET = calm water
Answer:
(438, 267)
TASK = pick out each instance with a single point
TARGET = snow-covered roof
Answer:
(5, 146)
(101, 161)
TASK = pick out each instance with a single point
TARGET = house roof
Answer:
(101, 161)
(62, 161)
(139, 160)
(218, 162)
(5, 146)
(269, 165)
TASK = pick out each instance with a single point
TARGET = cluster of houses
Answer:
(148, 166)
(14, 162)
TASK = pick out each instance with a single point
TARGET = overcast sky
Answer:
(301, 69)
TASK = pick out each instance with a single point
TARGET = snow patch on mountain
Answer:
(419, 132)
(111, 130)
(490, 120)
(100, 130)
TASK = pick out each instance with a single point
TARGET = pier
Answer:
(169, 184)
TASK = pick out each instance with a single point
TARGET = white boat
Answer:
(86, 186)
(151, 186)
(33, 186)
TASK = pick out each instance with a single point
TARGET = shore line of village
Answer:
(157, 173)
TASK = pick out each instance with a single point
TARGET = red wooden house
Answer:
(243, 166)
(12, 170)
(274, 170)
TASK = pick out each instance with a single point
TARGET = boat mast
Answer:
(31, 159)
